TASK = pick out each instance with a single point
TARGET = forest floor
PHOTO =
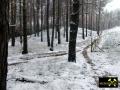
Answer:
(42, 69)
(106, 62)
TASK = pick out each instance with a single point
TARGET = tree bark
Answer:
(25, 49)
(73, 31)
(98, 32)
(83, 34)
(38, 8)
(67, 20)
(47, 21)
(53, 27)
(13, 21)
(34, 17)
(86, 18)
(41, 21)
(4, 27)
(58, 23)
(20, 17)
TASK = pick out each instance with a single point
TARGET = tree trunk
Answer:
(86, 18)
(34, 17)
(73, 31)
(58, 23)
(25, 49)
(67, 20)
(38, 26)
(52, 39)
(91, 33)
(83, 35)
(47, 21)
(98, 32)
(13, 21)
(4, 27)
(20, 17)
(41, 21)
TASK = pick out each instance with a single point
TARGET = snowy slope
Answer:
(111, 39)
(44, 71)
(107, 63)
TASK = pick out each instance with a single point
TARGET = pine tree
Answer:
(86, 18)
(4, 27)
(41, 21)
(13, 21)
(73, 31)
(98, 32)
(20, 17)
(83, 34)
(34, 17)
(67, 12)
(53, 27)
(47, 21)
(25, 48)
(38, 8)
(58, 22)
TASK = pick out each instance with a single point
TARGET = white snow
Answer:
(50, 72)
(107, 63)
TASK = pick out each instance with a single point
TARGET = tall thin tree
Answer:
(20, 17)
(73, 31)
(38, 9)
(58, 22)
(53, 27)
(67, 24)
(13, 21)
(47, 21)
(83, 32)
(41, 21)
(4, 28)
(34, 17)
(25, 47)
(86, 17)
(98, 32)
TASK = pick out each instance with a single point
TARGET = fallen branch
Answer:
(27, 80)
(100, 48)
(16, 63)
(42, 55)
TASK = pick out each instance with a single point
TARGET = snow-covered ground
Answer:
(46, 70)
(107, 60)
